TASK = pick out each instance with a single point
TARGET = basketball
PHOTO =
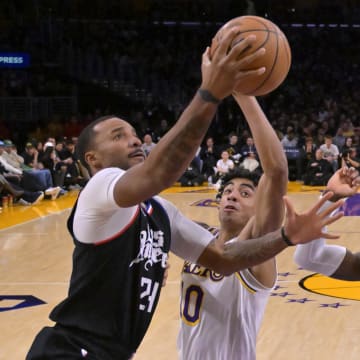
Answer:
(276, 60)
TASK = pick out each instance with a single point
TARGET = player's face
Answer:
(116, 144)
(237, 203)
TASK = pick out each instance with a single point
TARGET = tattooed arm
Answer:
(299, 228)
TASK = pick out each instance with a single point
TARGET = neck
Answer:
(227, 234)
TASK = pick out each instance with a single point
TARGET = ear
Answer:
(91, 158)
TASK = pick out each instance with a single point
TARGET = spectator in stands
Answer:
(251, 162)
(12, 157)
(330, 152)
(349, 158)
(30, 156)
(30, 180)
(233, 148)
(318, 170)
(57, 168)
(248, 149)
(348, 144)
(148, 144)
(209, 156)
(192, 175)
(289, 140)
(223, 165)
(20, 195)
(69, 159)
(39, 145)
(293, 154)
(308, 151)
(339, 139)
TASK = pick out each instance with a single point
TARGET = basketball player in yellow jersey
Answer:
(231, 308)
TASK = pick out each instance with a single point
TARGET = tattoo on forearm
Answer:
(255, 251)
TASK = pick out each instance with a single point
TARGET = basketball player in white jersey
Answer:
(231, 308)
(331, 260)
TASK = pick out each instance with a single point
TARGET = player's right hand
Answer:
(221, 74)
(309, 225)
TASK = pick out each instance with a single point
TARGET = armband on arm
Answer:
(318, 256)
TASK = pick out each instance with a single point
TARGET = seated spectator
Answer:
(223, 165)
(250, 162)
(249, 149)
(209, 156)
(318, 170)
(339, 139)
(349, 158)
(69, 160)
(30, 156)
(20, 196)
(347, 145)
(57, 168)
(192, 175)
(148, 144)
(330, 151)
(293, 154)
(30, 180)
(233, 148)
(308, 151)
(73, 177)
(289, 140)
(12, 156)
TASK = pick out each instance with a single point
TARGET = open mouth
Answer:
(230, 208)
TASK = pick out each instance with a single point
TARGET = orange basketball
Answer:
(276, 60)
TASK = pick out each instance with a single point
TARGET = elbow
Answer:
(279, 172)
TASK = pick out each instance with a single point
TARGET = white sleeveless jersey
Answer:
(220, 315)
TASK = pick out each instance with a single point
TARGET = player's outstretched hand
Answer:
(221, 74)
(344, 183)
(309, 225)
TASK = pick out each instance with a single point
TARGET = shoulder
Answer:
(99, 188)
(105, 176)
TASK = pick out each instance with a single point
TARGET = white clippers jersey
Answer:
(220, 316)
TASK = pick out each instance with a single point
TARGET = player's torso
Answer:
(220, 315)
(121, 278)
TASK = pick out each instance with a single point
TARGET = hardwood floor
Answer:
(35, 263)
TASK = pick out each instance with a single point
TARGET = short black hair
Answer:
(85, 140)
(239, 172)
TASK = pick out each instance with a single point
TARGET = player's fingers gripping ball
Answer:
(276, 60)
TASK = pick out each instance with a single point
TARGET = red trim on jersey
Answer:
(101, 242)
(149, 209)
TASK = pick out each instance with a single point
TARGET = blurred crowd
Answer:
(315, 112)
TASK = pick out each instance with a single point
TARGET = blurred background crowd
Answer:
(140, 59)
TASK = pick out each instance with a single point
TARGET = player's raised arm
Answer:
(299, 228)
(177, 148)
